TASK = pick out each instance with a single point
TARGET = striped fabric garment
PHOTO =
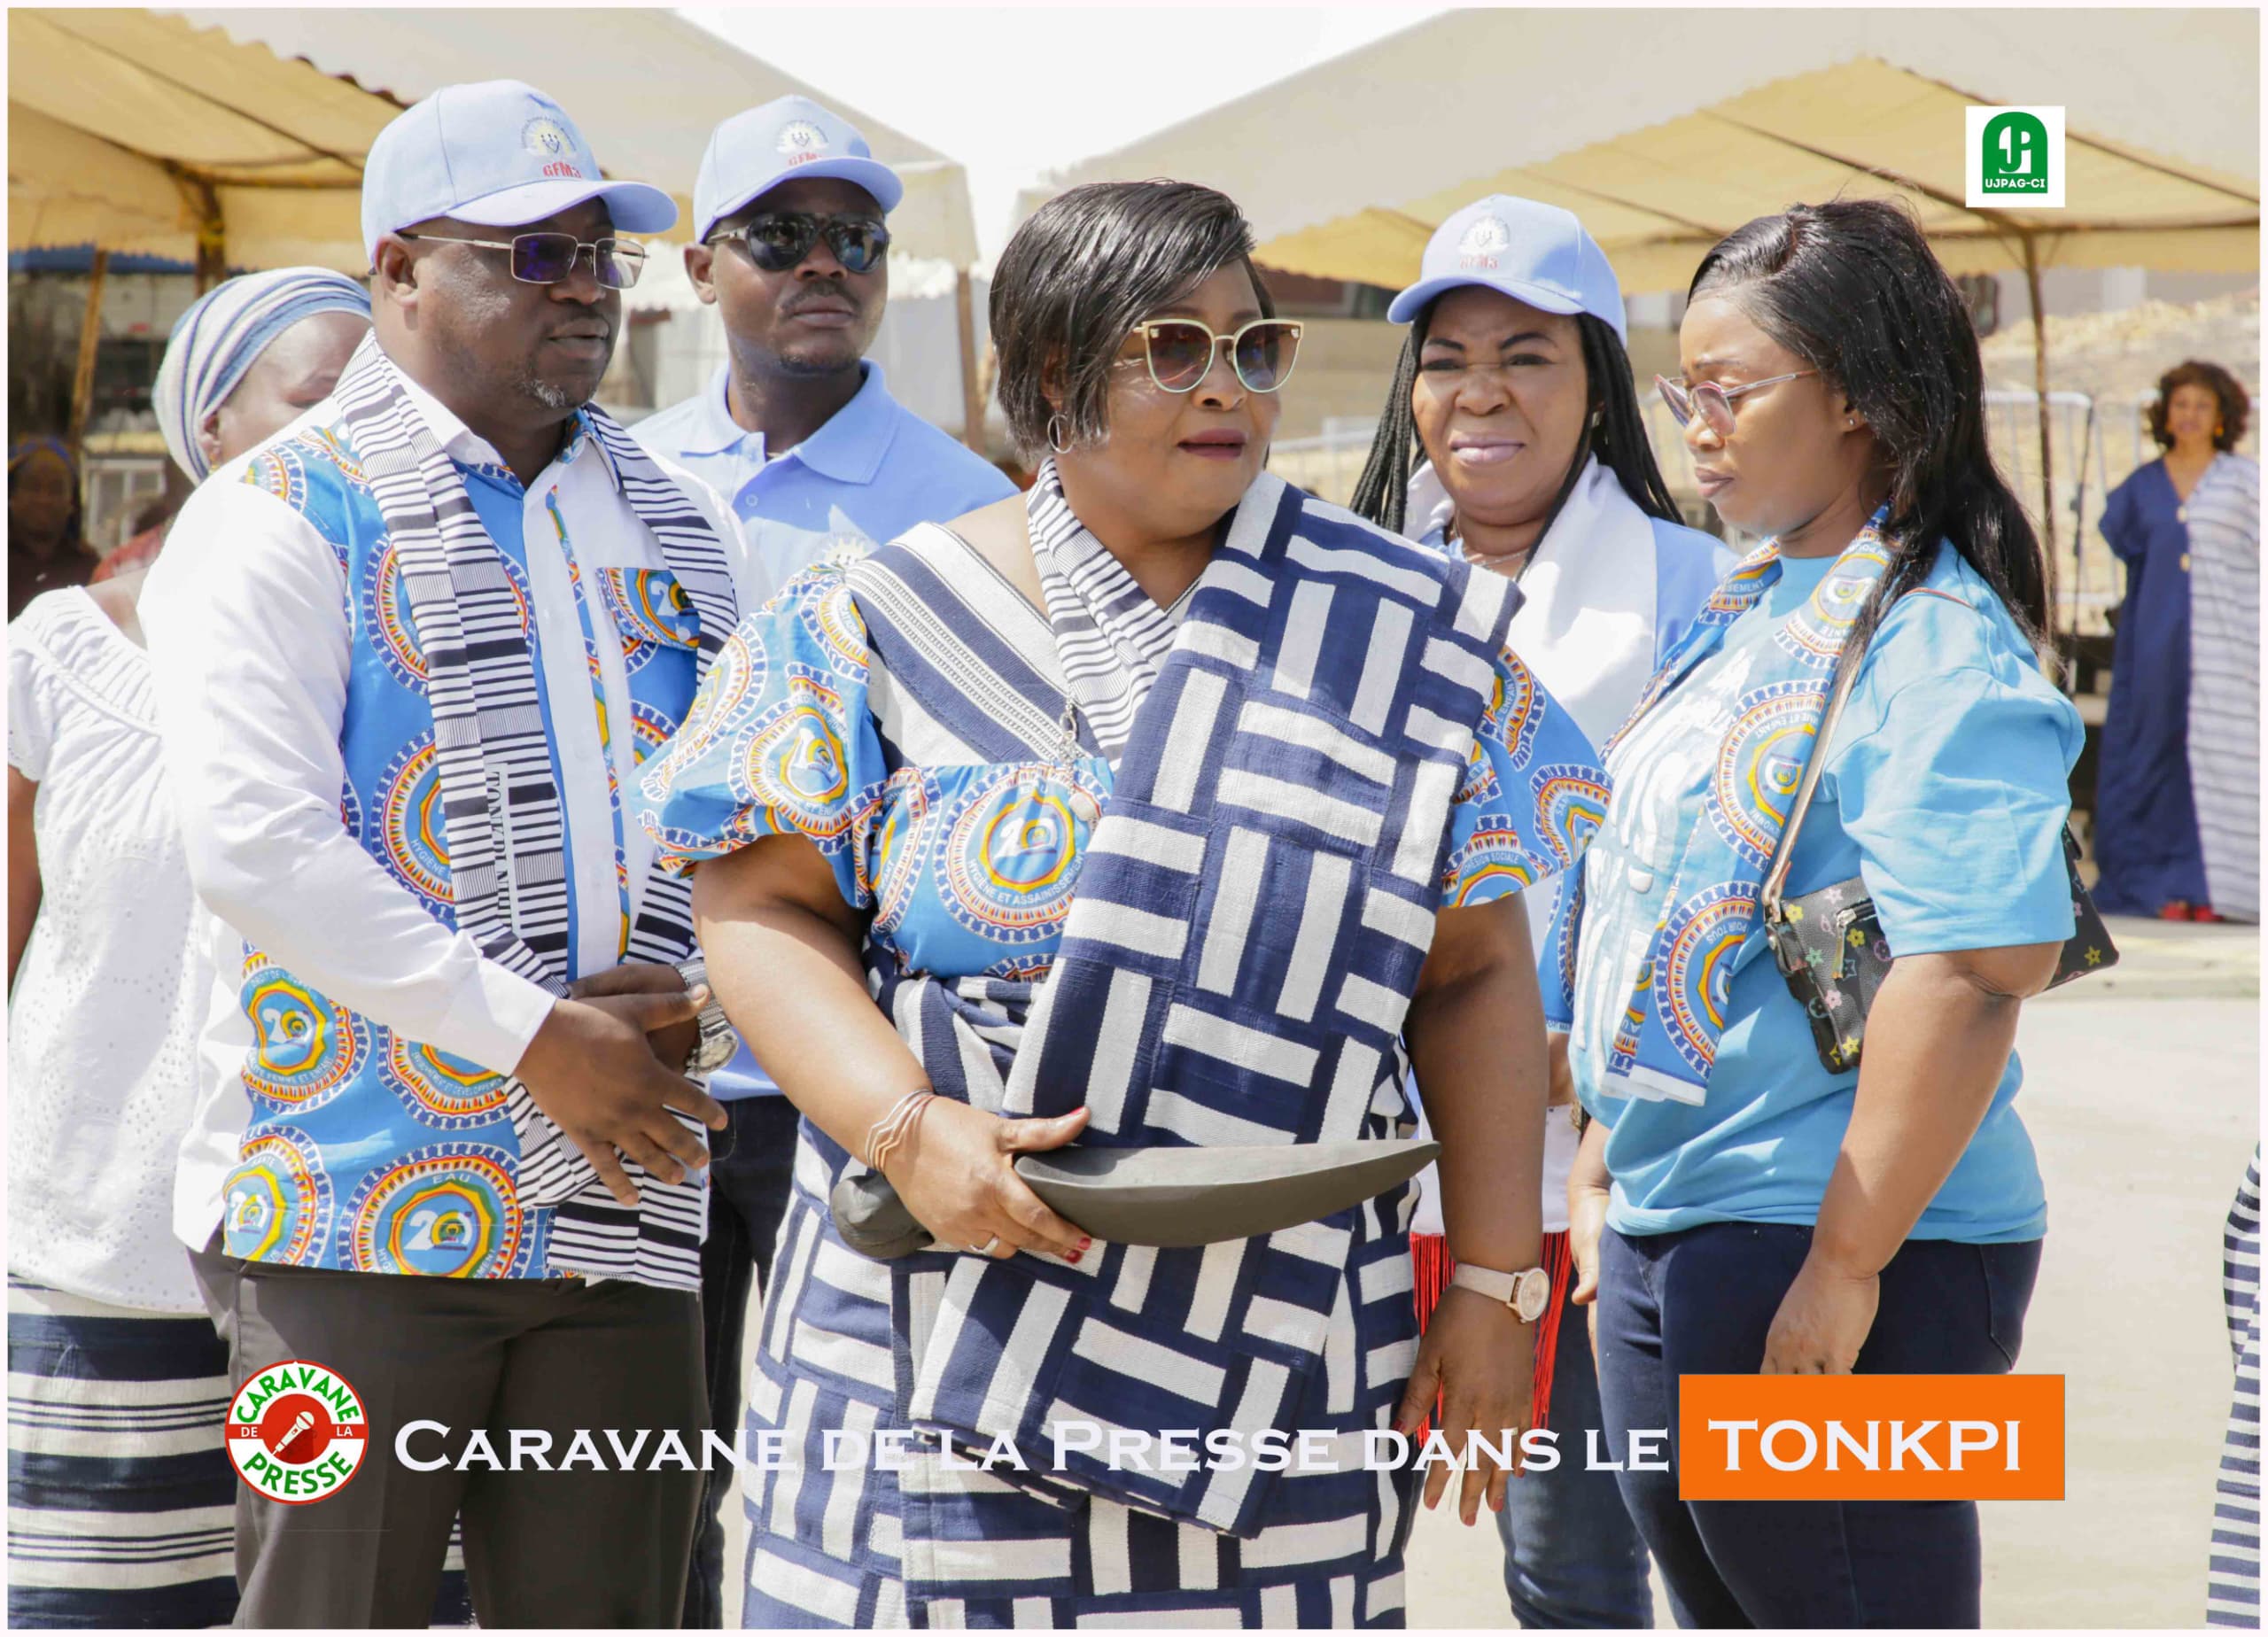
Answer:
(1336, 744)
(505, 829)
(2223, 517)
(1110, 636)
(2232, 1588)
(122, 1503)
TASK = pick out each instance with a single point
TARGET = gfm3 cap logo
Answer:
(297, 1432)
(2015, 157)
(1484, 239)
(548, 139)
(801, 141)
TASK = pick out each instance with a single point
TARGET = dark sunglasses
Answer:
(780, 239)
(1180, 353)
(550, 258)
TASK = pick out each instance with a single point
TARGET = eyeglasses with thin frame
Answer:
(1179, 352)
(777, 240)
(550, 258)
(1714, 403)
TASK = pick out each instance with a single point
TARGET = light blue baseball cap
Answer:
(1536, 254)
(498, 153)
(786, 138)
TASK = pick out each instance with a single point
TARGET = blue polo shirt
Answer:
(871, 473)
(1945, 791)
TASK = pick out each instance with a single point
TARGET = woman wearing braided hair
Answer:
(1512, 437)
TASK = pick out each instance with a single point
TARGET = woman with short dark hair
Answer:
(1856, 734)
(1248, 784)
(2177, 815)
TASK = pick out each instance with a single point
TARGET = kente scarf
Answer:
(1252, 912)
(503, 817)
(1667, 1040)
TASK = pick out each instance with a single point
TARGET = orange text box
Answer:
(1870, 1438)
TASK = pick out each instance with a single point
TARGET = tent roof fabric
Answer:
(117, 118)
(1719, 117)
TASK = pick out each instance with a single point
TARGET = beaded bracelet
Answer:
(895, 1127)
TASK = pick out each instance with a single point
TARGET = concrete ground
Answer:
(2142, 1095)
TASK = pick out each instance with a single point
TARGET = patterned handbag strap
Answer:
(1784, 851)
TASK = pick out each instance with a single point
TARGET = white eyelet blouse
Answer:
(103, 1016)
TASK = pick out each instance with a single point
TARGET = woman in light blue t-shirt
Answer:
(1737, 1206)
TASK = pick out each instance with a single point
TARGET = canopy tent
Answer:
(1715, 118)
(1666, 128)
(163, 132)
(1657, 197)
(235, 138)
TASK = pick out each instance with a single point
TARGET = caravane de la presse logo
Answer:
(296, 1432)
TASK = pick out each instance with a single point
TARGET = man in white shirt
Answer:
(408, 652)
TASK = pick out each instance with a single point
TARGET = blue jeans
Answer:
(1573, 1558)
(1701, 1302)
(751, 1165)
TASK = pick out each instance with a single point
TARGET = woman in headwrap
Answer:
(119, 1384)
(251, 356)
(44, 547)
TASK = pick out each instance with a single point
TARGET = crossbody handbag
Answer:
(1829, 945)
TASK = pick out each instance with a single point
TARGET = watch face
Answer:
(1532, 1294)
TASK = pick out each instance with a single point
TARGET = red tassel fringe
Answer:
(1431, 1266)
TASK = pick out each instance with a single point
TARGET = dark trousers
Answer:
(751, 1164)
(1701, 1302)
(542, 1548)
(1573, 1558)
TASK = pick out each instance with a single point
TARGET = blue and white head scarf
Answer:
(224, 334)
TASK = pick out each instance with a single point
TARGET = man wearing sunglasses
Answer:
(410, 652)
(797, 430)
(798, 433)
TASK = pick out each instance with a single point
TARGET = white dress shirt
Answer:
(247, 615)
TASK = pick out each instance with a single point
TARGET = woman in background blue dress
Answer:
(2177, 824)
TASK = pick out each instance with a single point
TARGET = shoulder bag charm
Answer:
(1830, 946)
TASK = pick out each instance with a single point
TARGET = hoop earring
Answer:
(1066, 445)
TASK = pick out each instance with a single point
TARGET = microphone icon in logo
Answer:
(300, 1423)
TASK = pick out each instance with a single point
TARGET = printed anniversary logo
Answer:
(296, 1432)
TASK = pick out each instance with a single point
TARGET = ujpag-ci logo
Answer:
(2016, 158)
(296, 1432)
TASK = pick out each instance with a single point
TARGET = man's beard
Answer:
(551, 395)
(807, 366)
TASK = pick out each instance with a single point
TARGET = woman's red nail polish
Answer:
(1073, 1257)
(1086, 1239)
